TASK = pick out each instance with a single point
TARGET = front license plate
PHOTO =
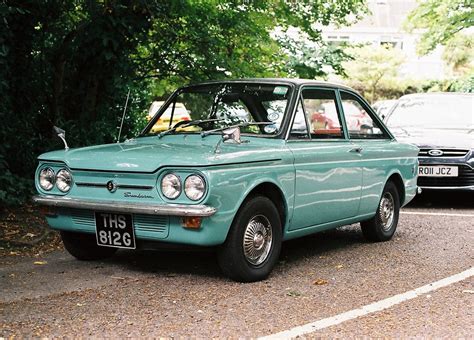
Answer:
(437, 171)
(114, 230)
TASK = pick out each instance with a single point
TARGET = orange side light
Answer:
(192, 222)
(48, 211)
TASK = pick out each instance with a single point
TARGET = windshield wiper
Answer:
(186, 123)
(207, 133)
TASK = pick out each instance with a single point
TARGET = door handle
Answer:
(356, 150)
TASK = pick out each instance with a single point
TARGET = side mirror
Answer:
(232, 135)
(61, 134)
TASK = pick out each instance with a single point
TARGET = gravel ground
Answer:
(184, 294)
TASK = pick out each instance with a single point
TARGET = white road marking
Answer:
(434, 214)
(372, 308)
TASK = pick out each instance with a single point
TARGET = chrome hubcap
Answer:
(386, 211)
(257, 240)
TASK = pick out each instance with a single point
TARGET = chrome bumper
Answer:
(464, 188)
(132, 208)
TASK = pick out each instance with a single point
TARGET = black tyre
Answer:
(84, 246)
(253, 244)
(382, 226)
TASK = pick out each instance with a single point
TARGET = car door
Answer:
(372, 138)
(328, 174)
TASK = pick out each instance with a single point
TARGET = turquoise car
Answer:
(246, 172)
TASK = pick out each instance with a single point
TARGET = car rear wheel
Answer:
(382, 226)
(253, 244)
(84, 246)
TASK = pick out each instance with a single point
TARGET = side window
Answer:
(322, 114)
(299, 129)
(358, 119)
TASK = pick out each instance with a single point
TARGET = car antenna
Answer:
(123, 116)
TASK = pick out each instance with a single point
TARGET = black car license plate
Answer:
(114, 230)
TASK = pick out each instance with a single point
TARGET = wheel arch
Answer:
(396, 178)
(275, 194)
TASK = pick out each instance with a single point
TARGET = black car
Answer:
(442, 126)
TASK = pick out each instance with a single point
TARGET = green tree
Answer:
(441, 20)
(459, 54)
(372, 65)
(71, 62)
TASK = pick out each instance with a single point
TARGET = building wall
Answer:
(385, 26)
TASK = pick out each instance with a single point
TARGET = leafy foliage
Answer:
(311, 59)
(459, 54)
(442, 20)
(71, 63)
(372, 65)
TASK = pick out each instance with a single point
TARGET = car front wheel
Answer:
(382, 226)
(84, 246)
(253, 245)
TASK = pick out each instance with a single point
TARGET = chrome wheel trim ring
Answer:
(386, 211)
(258, 239)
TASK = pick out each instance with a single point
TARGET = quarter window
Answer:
(299, 129)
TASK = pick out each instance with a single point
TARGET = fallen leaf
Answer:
(293, 293)
(117, 277)
(320, 282)
(339, 266)
(39, 263)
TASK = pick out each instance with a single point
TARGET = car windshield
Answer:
(217, 106)
(431, 111)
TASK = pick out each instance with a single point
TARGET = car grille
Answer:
(446, 153)
(465, 178)
(145, 225)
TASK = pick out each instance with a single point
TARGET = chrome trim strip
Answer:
(119, 186)
(98, 185)
(126, 207)
(467, 187)
(421, 162)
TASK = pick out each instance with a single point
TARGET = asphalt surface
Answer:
(170, 294)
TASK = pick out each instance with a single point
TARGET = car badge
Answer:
(112, 186)
(435, 152)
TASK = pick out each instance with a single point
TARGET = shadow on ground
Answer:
(204, 262)
(444, 200)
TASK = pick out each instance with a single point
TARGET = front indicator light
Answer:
(192, 222)
(46, 179)
(64, 180)
(48, 211)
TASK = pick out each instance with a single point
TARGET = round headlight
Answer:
(171, 186)
(46, 179)
(64, 180)
(194, 187)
